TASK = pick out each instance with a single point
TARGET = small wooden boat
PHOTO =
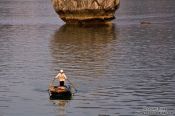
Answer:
(60, 92)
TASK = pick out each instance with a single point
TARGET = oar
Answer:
(72, 85)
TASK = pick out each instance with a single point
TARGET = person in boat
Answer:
(61, 77)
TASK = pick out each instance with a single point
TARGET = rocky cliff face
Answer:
(83, 11)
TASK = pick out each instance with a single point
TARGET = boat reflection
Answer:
(61, 105)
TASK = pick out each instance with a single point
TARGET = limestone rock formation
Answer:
(86, 11)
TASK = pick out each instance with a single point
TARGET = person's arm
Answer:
(57, 76)
(65, 76)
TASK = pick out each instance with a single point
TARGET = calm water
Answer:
(124, 69)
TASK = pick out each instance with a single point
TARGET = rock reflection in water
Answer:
(83, 47)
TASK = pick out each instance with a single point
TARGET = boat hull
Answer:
(57, 92)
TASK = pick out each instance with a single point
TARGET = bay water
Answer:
(123, 69)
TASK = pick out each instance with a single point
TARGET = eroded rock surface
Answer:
(81, 11)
